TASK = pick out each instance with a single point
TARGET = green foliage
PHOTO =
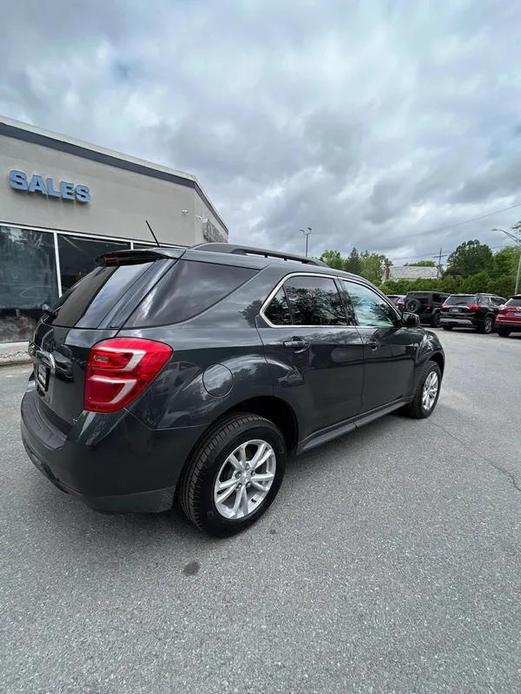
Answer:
(470, 258)
(422, 263)
(333, 259)
(353, 263)
(496, 273)
(366, 264)
(499, 280)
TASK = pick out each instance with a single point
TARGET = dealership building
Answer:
(63, 202)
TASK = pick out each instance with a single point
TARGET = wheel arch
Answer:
(271, 407)
(438, 358)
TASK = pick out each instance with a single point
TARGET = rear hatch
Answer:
(511, 311)
(460, 306)
(94, 309)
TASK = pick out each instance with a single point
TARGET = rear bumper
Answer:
(462, 322)
(113, 463)
(513, 326)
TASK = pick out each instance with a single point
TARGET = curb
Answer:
(15, 359)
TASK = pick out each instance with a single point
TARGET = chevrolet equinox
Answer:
(192, 373)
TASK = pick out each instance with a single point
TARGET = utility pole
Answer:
(517, 240)
(307, 231)
(439, 263)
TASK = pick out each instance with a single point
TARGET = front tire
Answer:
(427, 392)
(447, 327)
(234, 474)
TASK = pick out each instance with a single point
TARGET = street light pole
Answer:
(517, 240)
(307, 231)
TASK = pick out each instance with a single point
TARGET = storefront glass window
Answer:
(27, 280)
(77, 256)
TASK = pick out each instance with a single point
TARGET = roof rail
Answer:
(249, 250)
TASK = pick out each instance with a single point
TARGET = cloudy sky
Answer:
(380, 124)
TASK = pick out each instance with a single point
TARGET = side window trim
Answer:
(346, 300)
(374, 289)
(281, 283)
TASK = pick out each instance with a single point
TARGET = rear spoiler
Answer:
(138, 256)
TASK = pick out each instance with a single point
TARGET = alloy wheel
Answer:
(430, 390)
(245, 479)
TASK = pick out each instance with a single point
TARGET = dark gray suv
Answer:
(192, 374)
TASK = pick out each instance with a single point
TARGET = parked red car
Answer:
(508, 319)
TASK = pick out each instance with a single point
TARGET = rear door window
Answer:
(314, 301)
(188, 289)
(278, 309)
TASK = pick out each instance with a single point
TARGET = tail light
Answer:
(119, 369)
(473, 307)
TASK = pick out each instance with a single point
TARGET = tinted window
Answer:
(278, 309)
(78, 256)
(514, 301)
(497, 301)
(314, 301)
(90, 299)
(27, 280)
(188, 289)
(461, 300)
(369, 307)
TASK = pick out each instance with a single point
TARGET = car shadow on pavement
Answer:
(133, 535)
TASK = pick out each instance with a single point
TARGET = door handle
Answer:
(373, 346)
(296, 344)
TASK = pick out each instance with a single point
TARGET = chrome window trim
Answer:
(297, 325)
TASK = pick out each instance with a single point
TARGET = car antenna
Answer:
(152, 232)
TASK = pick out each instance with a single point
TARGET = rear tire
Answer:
(436, 320)
(503, 332)
(197, 488)
(487, 326)
(421, 407)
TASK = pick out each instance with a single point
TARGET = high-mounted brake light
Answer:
(119, 369)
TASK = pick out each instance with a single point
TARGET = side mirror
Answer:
(410, 320)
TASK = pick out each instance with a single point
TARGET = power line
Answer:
(436, 255)
(466, 221)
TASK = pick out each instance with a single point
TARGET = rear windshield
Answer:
(90, 299)
(461, 300)
(514, 301)
(188, 289)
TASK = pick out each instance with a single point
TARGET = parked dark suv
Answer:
(194, 372)
(476, 311)
(427, 305)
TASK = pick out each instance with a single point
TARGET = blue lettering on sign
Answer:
(49, 187)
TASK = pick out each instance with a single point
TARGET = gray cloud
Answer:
(371, 122)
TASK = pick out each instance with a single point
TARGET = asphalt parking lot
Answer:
(391, 562)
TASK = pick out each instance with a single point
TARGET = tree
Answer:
(353, 263)
(469, 258)
(333, 259)
(422, 263)
(504, 271)
(372, 266)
